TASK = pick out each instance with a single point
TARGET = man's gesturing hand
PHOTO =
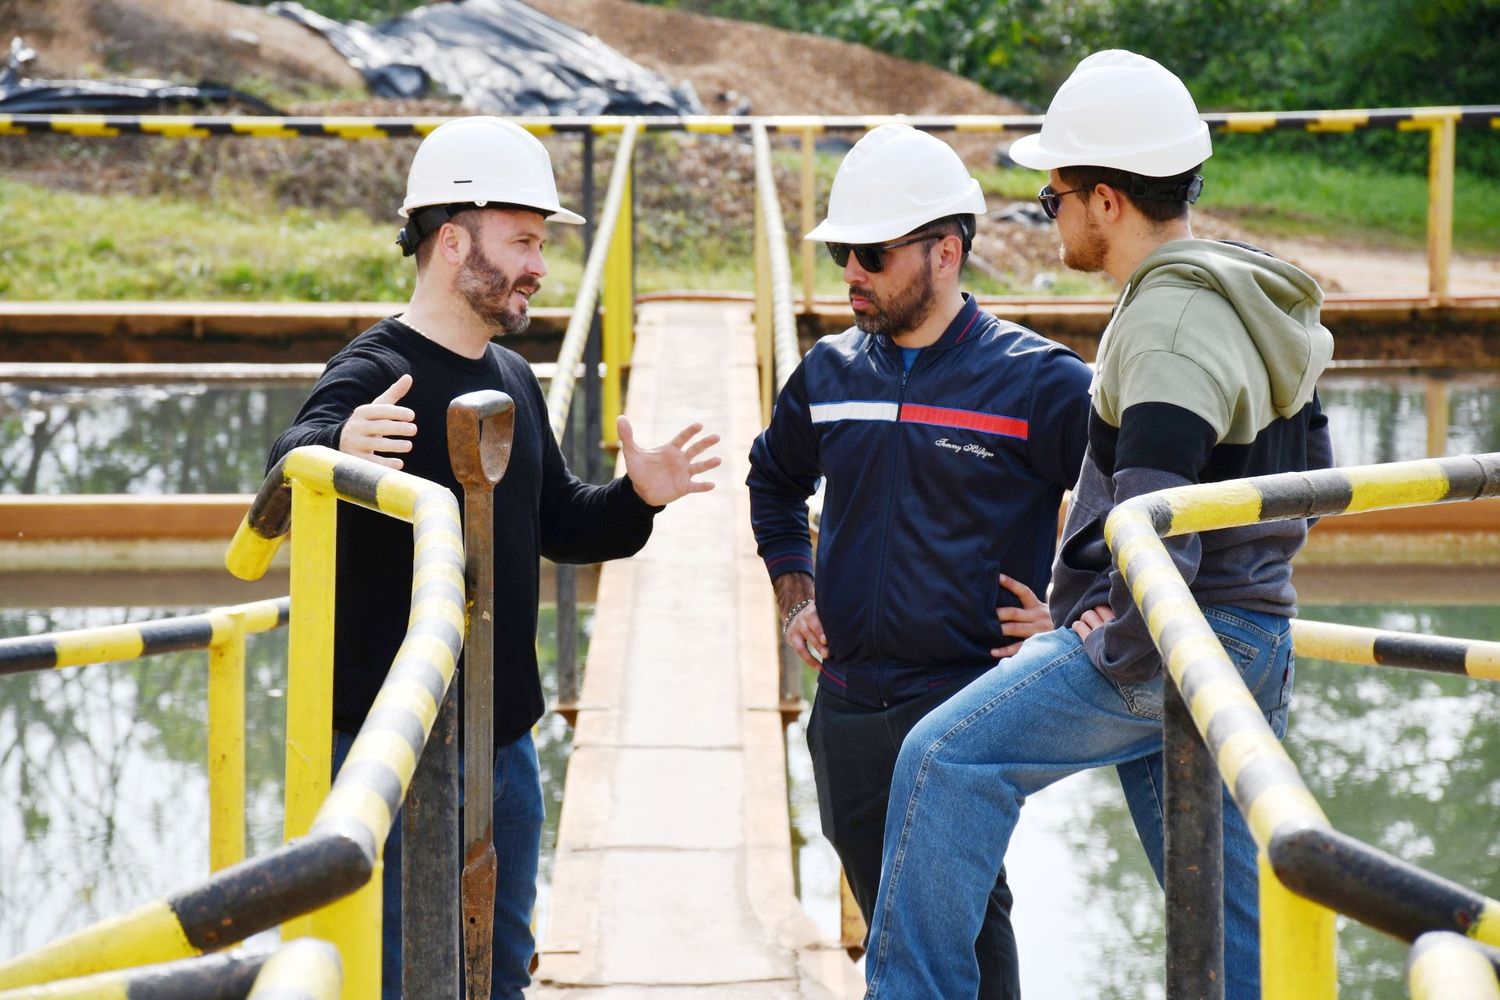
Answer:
(1031, 618)
(380, 426)
(661, 475)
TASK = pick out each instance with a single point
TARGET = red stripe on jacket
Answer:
(942, 416)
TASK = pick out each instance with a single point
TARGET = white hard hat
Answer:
(1119, 110)
(894, 180)
(483, 160)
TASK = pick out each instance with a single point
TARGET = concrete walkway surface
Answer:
(673, 869)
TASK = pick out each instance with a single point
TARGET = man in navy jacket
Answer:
(946, 438)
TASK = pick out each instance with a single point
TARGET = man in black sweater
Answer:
(479, 194)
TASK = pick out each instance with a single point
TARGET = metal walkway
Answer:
(674, 874)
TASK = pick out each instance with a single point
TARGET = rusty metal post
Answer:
(480, 429)
(1194, 853)
(430, 865)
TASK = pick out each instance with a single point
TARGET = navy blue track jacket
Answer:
(938, 479)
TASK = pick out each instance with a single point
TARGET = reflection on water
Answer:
(213, 438)
(59, 439)
(1383, 418)
(103, 786)
(1405, 760)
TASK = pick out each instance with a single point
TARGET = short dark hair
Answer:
(962, 226)
(468, 217)
(1160, 199)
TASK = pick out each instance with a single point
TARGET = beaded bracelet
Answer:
(786, 622)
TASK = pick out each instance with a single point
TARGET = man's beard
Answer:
(1088, 252)
(487, 290)
(905, 309)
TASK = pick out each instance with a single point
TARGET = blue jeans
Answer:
(518, 816)
(966, 769)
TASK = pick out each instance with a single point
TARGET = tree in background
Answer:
(1233, 54)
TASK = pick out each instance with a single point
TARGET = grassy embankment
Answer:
(67, 246)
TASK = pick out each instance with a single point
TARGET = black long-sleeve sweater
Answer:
(540, 509)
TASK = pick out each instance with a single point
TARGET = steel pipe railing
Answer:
(222, 632)
(1307, 855)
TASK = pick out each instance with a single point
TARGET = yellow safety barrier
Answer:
(1382, 647)
(1446, 966)
(222, 632)
(1305, 853)
(304, 968)
(775, 321)
(334, 861)
(229, 974)
(609, 259)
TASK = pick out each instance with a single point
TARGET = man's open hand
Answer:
(665, 473)
(381, 426)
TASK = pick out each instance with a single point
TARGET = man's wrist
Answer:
(790, 616)
(790, 589)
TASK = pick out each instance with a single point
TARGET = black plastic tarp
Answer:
(22, 96)
(500, 57)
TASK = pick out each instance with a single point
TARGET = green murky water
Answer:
(103, 796)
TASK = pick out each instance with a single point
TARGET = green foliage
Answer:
(372, 11)
(1234, 54)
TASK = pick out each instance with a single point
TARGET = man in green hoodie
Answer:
(1206, 372)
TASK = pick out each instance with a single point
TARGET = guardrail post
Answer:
(619, 310)
(481, 427)
(1194, 856)
(809, 216)
(309, 701)
(763, 304)
(566, 619)
(1440, 206)
(352, 923)
(1436, 403)
(1298, 943)
(430, 865)
(593, 435)
(226, 744)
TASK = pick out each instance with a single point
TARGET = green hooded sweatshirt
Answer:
(1206, 372)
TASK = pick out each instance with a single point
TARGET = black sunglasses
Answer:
(1051, 199)
(869, 254)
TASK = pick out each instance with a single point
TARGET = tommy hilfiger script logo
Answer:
(971, 449)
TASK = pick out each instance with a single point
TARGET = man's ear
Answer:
(1110, 201)
(951, 254)
(453, 242)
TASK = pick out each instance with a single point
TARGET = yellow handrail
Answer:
(222, 632)
(1307, 855)
(334, 861)
(774, 314)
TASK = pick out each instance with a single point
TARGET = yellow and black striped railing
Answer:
(1445, 966)
(1305, 852)
(362, 127)
(335, 837)
(304, 969)
(221, 631)
(1387, 648)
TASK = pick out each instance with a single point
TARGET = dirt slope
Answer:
(780, 72)
(182, 40)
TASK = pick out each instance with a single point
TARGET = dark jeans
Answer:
(854, 750)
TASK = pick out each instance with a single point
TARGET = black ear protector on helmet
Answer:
(423, 222)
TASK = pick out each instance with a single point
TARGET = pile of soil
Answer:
(701, 187)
